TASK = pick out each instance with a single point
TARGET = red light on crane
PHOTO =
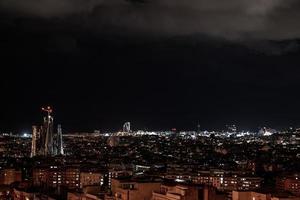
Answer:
(48, 109)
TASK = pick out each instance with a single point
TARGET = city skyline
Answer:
(149, 100)
(229, 127)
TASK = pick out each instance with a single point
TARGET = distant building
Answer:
(54, 176)
(222, 180)
(289, 183)
(241, 183)
(117, 173)
(113, 141)
(91, 179)
(8, 176)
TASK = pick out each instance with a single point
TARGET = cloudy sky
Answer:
(233, 19)
(157, 63)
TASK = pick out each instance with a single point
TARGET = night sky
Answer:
(156, 63)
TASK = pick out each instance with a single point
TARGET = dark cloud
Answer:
(233, 19)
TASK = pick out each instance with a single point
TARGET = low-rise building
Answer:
(81, 196)
(91, 179)
(25, 195)
(289, 183)
(186, 192)
(135, 188)
(55, 176)
(8, 176)
(250, 195)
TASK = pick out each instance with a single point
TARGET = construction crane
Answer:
(48, 110)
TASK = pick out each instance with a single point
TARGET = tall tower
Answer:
(198, 128)
(60, 148)
(44, 141)
(34, 140)
(126, 127)
(48, 132)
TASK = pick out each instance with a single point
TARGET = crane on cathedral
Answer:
(44, 141)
